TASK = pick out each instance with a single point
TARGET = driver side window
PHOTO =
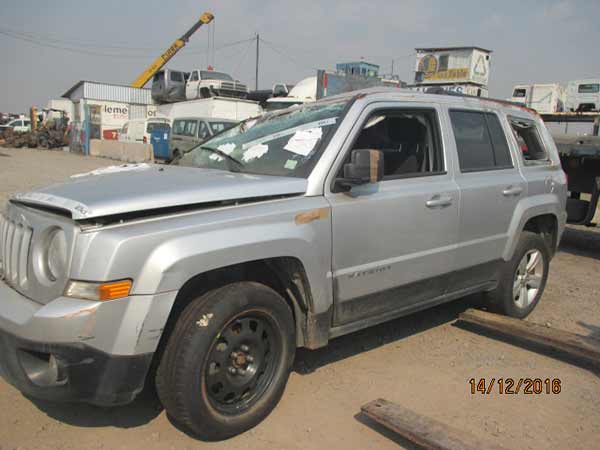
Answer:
(408, 139)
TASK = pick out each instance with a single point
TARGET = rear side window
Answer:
(176, 76)
(152, 126)
(185, 127)
(480, 141)
(529, 142)
(217, 127)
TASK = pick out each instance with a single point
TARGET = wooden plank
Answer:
(575, 346)
(423, 431)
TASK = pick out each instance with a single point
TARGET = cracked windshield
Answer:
(283, 144)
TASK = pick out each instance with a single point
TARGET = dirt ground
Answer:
(423, 362)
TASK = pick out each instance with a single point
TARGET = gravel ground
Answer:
(423, 362)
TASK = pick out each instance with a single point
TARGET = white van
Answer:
(544, 98)
(583, 95)
(139, 130)
(17, 125)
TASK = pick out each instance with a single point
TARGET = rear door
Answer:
(490, 187)
(394, 241)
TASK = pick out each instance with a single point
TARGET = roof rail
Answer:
(440, 91)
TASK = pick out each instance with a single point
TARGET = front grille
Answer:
(15, 241)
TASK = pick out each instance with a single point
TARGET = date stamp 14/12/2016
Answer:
(515, 386)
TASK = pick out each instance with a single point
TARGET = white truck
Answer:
(208, 83)
(583, 95)
(544, 98)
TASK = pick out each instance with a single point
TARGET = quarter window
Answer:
(480, 141)
(529, 142)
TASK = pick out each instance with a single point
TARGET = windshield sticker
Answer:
(303, 141)
(114, 169)
(255, 152)
(290, 164)
(225, 148)
(307, 126)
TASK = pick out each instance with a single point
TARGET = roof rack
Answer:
(440, 91)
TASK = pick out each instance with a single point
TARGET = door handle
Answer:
(439, 201)
(512, 190)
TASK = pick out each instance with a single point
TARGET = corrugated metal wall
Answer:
(114, 93)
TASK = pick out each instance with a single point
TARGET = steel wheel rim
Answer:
(528, 278)
(242, 362)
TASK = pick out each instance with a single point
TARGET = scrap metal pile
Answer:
(50, 135)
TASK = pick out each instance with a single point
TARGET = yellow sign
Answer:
(450, 74)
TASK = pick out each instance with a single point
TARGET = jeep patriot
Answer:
(202, 277)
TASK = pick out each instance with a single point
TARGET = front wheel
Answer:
(227, 361)
(522, 279)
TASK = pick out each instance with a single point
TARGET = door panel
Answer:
(386, 238)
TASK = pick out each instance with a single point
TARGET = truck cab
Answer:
(209, 83)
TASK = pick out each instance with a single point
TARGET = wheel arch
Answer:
(542, 217)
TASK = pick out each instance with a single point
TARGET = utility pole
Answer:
(256, 77)
(392, 68)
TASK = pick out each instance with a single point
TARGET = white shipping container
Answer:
(213, 108)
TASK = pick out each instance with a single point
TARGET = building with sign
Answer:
(100, 110)
(459, 69)
(358, 68)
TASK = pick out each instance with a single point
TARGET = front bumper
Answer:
(79, 350)
(77, 373)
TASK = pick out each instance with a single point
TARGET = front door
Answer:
(191, 86)
(394, 241)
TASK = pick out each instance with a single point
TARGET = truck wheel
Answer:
(522, 279)
(227, 361)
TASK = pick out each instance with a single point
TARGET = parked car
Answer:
(188, 132)
(208, 83)
(140, 130)
(583, 95)
(168, 86)
(216, 270)
(17, 126)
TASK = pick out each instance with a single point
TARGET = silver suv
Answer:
(284, 231)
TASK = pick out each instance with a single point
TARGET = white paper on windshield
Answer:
(225, 148)
(303, 141)
(255, 152)
(307, 126)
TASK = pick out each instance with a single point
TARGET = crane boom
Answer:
(159, 62)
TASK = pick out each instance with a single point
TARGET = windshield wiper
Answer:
(223, 154)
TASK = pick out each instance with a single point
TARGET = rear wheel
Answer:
(227, 361)
(523, 278)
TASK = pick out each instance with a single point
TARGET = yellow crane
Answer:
(159, 62)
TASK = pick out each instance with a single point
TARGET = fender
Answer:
(528, 208)
(161, 254)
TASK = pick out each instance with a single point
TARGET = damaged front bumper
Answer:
(71, 372)
(79, 350)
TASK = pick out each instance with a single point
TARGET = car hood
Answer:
(140, 187)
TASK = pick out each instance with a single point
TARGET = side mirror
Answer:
(365, 166)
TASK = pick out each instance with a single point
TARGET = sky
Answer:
(113, 41)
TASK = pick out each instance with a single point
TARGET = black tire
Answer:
(247, 319)
(502, 298)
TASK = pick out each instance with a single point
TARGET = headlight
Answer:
(55, 258)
